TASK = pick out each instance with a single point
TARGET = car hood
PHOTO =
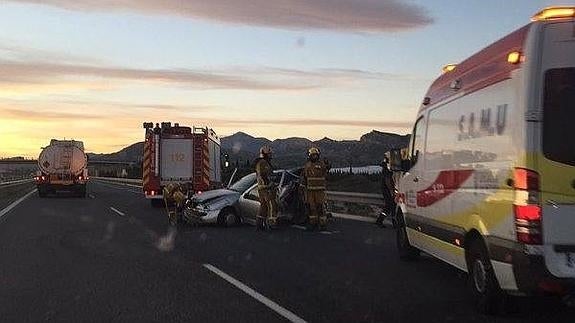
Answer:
(215, 194)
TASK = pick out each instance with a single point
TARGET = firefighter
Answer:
(314, 184)
(174, 195)
(267, 215)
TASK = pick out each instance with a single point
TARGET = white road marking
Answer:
(119, 212)
(354, 217)
(118, 187)
(15, 203)
(329, 232)
(290, 316)
(301, 227)
(91, 196)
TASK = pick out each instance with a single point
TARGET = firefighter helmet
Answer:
(265, 151)
(313, 151)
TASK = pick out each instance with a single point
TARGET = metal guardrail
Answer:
(14, 183)
(119, 180)
(351, 197)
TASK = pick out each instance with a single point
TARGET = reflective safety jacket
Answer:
(314, 174)
(264, 172)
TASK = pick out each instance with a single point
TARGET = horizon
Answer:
(95, 71)
(221, 137)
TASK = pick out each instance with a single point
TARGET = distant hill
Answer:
(291, 152)
(132, 153)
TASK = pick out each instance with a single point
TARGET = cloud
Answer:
(237, 78)
(14, 51)
(78, 104)
(364, 16)
(29, 114)
(42, 72)
(138, 106)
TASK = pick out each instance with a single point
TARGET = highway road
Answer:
(111, 257)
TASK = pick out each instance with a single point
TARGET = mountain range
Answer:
(243, 148)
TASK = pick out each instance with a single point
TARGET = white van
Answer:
(489, 186)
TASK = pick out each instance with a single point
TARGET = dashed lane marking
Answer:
(301, 227)
(117, 187)
(329, 232)
(118, 212)
(290, 316)
(91, 196)
(15, 203)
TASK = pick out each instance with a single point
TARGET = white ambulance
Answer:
(489, 186)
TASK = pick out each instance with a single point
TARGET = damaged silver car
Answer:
(239, 203)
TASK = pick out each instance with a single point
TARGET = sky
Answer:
(95, 70)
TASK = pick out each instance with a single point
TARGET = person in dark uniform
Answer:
(388, 192)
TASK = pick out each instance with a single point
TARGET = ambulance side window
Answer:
(417, 141)
(558, 115)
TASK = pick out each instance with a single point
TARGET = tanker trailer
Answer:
(62, 167)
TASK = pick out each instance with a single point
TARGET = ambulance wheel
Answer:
(406, 251)
(485, 290)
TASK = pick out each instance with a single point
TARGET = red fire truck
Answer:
(179, 154)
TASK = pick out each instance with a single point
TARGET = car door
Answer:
(556, 165)
(415, 186)
(249, 204)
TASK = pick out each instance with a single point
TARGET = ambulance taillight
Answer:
(527, 206)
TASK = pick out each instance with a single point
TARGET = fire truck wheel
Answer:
(228, 218)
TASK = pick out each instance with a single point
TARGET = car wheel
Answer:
(485, 290)
(405, 250)
(228, 218)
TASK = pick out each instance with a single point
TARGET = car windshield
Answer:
(244, 183)
(289, 178)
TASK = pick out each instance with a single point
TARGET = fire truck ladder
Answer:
(66, 161)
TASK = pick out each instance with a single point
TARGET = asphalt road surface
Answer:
(111, 257)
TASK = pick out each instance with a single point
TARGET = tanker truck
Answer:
(62, 167)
